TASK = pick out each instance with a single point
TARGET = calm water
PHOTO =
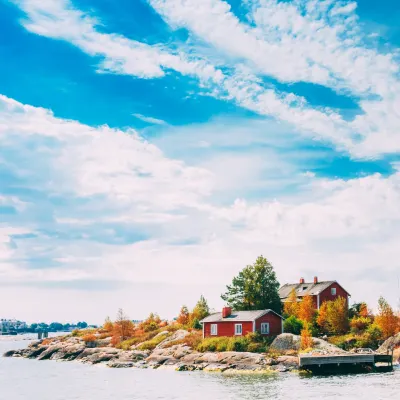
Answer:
(22, 379)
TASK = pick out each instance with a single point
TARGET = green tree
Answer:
(293, 325)
(255, 288)
(201, 309)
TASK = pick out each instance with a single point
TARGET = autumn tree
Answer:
(306, 340)
(254, 288)
(333, 316)
(291, 306)
(306, 310)
(151, 323)
(201, 309)
(322, 318)
(108, 325)
(183, 317)
(123, 327)
(386, 319)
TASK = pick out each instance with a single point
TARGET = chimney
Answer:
(301, 280)
(226, 312)
(315, 280)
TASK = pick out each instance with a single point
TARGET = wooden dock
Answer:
(347, 362)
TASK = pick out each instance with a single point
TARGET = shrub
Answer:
(89, 338)
(238, 344)
(359, 324)
(196, 324)
(293, 325)
(152, 344)
(192, 340)
(75, 332)
(256, 347)
(213, 344)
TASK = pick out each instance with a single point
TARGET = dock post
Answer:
(39, 335)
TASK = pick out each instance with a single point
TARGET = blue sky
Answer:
(150, 149)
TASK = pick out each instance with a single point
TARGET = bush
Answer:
(359, 324)
(238, 344)
(196, 324)
(89, 338)
(293, 325)
(255, 347)
(153, 343)
(213, 344)
(192, 340)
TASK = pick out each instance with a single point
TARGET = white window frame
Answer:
(237, 333)
(263, 326)
(214, 329)
(333, 291)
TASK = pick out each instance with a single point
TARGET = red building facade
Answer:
(319, 291)
(240, 323)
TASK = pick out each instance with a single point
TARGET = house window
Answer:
(214, 329)
(333, 291)
(238, 329)
(265, 328)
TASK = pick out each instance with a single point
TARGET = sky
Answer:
(150, 149)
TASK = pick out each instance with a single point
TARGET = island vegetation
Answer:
(256, 287)
(179, 343)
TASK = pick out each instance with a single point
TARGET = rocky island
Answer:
(282, 355)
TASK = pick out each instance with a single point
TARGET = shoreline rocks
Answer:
(179, 357)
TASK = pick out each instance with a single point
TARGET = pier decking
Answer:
(369, 361)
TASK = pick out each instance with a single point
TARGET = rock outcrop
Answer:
(167, 355)
(287, 342)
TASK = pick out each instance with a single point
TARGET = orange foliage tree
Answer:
(108, 325)
(306, 311)
(333, 316)
(151, 323)
(386, 319)
(184, 316)
(306, 337)
(123, 328)
(322, 318)
(291, 306)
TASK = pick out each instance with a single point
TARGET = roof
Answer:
(303, 289)
(239, 316)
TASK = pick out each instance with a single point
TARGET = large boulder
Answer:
(287, 342)
(389, 344)
(178, 335)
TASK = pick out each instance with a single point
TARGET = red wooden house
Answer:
(240, 323)
(319, 291)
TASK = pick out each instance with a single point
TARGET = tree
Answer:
(291, 306)
(183, 317)
(306, 337)
(333, 316)
(322, 318)
(201, 309)
(123, 327)
(386, 319)
(255, 288)
(56, 326)
(338, 318)
(293, 325)
(306, 310)
(82, 325)
(108, 325)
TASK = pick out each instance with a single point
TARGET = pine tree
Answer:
(255, 288)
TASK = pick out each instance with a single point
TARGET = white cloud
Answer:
(337, 229)
(149, 120)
